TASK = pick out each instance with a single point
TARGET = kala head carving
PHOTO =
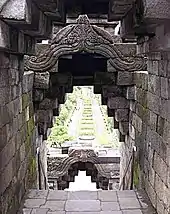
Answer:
(82, 34)
(82, 154)
(82, 37)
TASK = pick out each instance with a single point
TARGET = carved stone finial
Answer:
(83, 19)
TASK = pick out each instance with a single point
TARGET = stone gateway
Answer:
(131, 71)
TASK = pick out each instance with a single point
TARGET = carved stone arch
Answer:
(82, 37)
(97, 173)
(116, 86)
(65, 165)
(65, 169)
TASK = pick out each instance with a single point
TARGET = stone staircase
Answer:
(86, 202)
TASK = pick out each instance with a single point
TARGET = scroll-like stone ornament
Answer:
(83, 37)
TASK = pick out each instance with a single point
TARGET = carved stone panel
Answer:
(83, 37)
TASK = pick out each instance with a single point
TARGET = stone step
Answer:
(85, 202)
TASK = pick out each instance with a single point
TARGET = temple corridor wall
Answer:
(149, 131)
(156, 148)
(17, 132)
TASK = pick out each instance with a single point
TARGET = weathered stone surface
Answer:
(103, 78)
(125, 78)
(54, 205)
(48, 104)
(4, 39)
(153, 102)
(33, 203)
(141, 96)
(160, 167)
(44, 116)
(131, 93)
(86, 206)
(28, 79)
(122, 115)
(41, 80)
(107, 196)
(152, 120)
(156, 9)
(117, 102)
(110, 112)
(112, 91)
(108, 202)
(124, 128)
(57, 195)
(82, 195)
(137, 211)
(149, 122)
(61, 79)
(164, 108)
(118, 9)
(164, 87)
(154, 138)
(127, 30)
(126, 194)
(39, 194)
(136, 122)
(38, 95)
(124, 203)
(16, 10)
(109, 206)
(154, 84)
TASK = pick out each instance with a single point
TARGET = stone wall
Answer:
(149, 132)
(17, 132)
(156, 149)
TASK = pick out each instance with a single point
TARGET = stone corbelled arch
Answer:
(82, 37)
(116, 85)
(82, 155)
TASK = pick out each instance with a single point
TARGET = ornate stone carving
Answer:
(82, 155)
(83, 37)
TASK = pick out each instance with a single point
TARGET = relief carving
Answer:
(61, 168)
(83, 37)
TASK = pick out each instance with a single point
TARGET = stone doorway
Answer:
(103, 172)
(113, 78)
(73, 172)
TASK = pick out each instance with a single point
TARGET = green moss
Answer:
(25, 100)
(28, 143)
(136, 174)
(23, 132)
(32, 168)
(30, 125)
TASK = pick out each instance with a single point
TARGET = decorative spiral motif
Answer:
(82, 37)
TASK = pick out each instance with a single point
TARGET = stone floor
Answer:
(86, 202)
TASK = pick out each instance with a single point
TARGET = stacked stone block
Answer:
(17, 132)
(156, 158)
(149, 132)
